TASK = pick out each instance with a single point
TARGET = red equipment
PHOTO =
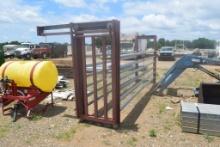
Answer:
(27, 97)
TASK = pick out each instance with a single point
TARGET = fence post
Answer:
(115, 32)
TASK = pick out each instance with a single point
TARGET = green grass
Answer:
(168, 125)
(36, 117)
(132, 141)
(68, 135)
(106, 142)
(162, 108)
(209, 138)
(177, 119)
(3, 131)
(152, 133)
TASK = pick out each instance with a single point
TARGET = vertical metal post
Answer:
(94, 77)
(84, 75)
(136, 49)
(76, 44)
(104, 76)
(115, 33)
(155, 61)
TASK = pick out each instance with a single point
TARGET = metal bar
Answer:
(132, 96)
(100, 120)
(127, 92)
(55, 33)
(104, 77)
(133, 72)
(99, 97)
(84, 76)
(84, 27)
(124, 84)
(96, 35)
(128, 56)
(115, 36)
(93, 83)
(94, 77)
(155, 60)
(76, 81)
(78, 78)
(100, 88)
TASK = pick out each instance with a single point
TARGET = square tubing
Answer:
(94, 76)
(115, 33)
(155, 61)
(104, 76)
(77, 58)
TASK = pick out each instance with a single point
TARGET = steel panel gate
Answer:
(96, 71)
(103, 85)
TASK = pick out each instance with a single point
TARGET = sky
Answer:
(170, 19)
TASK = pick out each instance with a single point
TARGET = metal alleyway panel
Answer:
(97, 83)
(105, 80)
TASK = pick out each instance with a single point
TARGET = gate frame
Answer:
(76, 31)
(77, 43)
(147, 37)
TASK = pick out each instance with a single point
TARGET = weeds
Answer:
(152, 133)
(208, 138)
(36, 117)
(177, 119)
(162, 108)
(68, 135)
(106, 142)
(132, 141)
(168, 125)
(3, 131)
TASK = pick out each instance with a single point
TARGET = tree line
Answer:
(201, 43)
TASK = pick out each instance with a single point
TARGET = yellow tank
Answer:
(41, 74)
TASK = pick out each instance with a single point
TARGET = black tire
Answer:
(15, 112)
(28, 56)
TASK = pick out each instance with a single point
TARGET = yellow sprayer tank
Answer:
(41, 74)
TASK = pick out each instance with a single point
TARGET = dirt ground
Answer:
(146, 122)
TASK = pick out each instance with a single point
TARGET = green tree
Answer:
(203, 43)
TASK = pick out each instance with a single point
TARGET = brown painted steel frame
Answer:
(77, 31)
(154, 38)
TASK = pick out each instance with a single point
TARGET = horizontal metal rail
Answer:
(127, 100)
(130, 55)
(133, 72)
(124, 84)
(99, 97)
(100, 88)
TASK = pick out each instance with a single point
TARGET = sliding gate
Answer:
(97, 68)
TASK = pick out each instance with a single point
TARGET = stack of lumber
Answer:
(200, 118)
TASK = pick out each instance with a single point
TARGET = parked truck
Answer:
(9, 50)
(167, 53)
(24, 50)
(41, 51)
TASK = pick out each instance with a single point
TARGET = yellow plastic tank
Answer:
(41, 74)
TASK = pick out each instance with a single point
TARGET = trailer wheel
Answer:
(15, 112)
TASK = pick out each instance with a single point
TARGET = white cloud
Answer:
(197, 18)
(159, 21)
(72, 3)
(15, 11)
